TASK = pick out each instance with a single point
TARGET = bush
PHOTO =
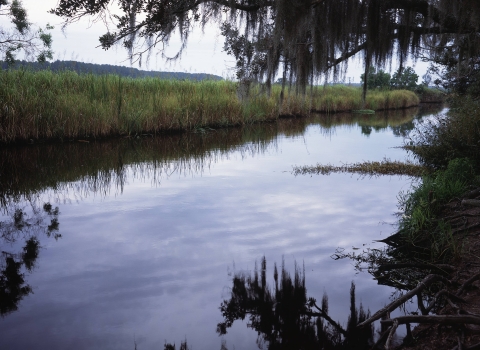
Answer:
(437, 141)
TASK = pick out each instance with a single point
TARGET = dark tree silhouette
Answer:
(13, 287)
(285, 318)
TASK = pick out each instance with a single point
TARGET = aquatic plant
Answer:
(384, 167)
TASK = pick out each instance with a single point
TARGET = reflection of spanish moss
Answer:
(285, 318)
(26, 228)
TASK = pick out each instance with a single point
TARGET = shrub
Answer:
(437, 141)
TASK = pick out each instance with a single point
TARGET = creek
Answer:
(151, 230)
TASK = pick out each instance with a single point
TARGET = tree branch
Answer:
(427, 281)
(436, 319)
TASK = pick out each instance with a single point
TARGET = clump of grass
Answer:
(346, 98)
(420, 225)
(384, 167)
(363, 111)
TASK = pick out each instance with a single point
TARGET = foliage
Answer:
(457, 135)
(376, 80)
(304, 38)
(23, 37)
(458, 67)
(405, 78)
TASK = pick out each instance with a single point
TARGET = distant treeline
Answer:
(91, 68)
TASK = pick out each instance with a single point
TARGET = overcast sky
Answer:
(203, 54)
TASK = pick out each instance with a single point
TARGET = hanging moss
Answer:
(308, 38)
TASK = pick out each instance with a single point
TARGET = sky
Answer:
(204, 53)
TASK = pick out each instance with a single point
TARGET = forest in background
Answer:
(101, 69)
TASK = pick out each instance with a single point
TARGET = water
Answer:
(153, 230)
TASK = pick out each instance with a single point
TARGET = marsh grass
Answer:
(66, 105)
(385, 167)
(420, 224)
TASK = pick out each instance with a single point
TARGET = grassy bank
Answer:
(451, 145)
(46, 105)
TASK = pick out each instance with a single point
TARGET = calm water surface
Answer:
(152, 230)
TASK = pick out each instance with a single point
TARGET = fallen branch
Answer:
(427, 281)
(391, 334)
(382, 339)
(436, 319)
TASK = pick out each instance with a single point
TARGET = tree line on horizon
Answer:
(100, 69)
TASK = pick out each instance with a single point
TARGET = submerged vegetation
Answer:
(47, 105)
(385, 167)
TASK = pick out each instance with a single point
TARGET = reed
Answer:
(66, 105)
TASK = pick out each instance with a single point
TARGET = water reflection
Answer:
(147, 265)
(285, 318)
(20, 246)
(84, 168)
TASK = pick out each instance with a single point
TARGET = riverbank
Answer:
(64, 106)
(439, 235)
(462, 294)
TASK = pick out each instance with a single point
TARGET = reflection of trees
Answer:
(97, 167)
(21, 231)
(285, 318)
(399, 264)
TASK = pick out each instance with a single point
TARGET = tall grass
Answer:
(421, 225)
(42, 105)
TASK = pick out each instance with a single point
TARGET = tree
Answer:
(404, 79)
(377, 80)
(23, 37)
(307, 38)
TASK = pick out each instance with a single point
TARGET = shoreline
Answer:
(203, 128)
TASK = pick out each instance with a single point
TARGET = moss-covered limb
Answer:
(384, 167)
